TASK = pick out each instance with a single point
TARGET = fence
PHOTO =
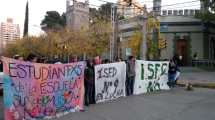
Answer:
(203, 63)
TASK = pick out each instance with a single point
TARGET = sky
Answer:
(15, 9)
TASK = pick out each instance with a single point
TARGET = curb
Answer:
(198, 85)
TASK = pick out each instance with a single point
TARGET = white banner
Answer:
(150, 76)
(110, 81)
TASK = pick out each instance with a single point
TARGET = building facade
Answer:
(127, 11)
(9, 33)
(77, 14)
(185, 34)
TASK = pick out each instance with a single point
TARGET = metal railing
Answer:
(203, 63)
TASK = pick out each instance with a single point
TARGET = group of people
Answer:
(89, 80)
(89, 73)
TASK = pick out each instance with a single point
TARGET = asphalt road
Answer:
(176, 104)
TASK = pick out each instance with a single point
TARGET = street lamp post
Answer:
(113, 36)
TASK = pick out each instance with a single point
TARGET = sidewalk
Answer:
(197, 77)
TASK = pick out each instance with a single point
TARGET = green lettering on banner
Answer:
(150, 68)
(156, 69)
(142, 71)
(163, 69)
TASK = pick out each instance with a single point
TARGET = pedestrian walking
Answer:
(130, 75)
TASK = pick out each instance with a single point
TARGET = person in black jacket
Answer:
(174, 73)
(89, 83)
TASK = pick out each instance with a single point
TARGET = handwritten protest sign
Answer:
(150, 76)
(35, 91)
(110, 81)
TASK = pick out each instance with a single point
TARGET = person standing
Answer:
(32, 58)
(97, 60)
(195, 59)
(130, 75)
(89, 83)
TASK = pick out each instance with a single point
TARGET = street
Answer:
(176, 104)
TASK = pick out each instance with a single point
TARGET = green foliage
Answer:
(208, 14)
(135, 43)
(121, 17)
(53, 21)
(25, 33)
(64, 42)
(103, 13)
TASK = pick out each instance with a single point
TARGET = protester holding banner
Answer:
(89, 83)
(110, 81)
(36, 91)
(32, 58)
(130, 75)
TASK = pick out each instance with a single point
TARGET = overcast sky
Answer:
(37, 8)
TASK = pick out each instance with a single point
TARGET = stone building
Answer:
(77, 14)
(129, 11)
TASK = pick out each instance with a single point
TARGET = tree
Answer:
(135, 43)
(105, 11)
(53, 21)
(100, 32)
(94, 13)
(208, 14)
(25, 33)
(64, 42)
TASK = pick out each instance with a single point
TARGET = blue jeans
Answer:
(130, 85)
(171, 79)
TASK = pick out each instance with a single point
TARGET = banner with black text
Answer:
(110, 81)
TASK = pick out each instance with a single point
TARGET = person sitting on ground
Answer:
(174, 73)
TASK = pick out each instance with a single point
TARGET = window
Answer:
(186, 12)
(180, 12)
(169, 12)
(164, 12)
(175, 12)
